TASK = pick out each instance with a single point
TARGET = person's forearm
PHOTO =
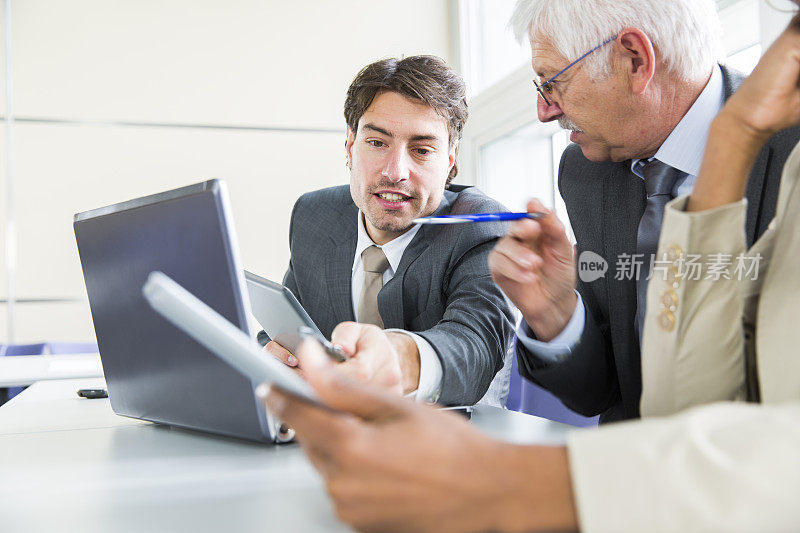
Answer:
(409, 359)
(731, 150)
(538, 489)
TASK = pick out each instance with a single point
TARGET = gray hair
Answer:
(686, 34)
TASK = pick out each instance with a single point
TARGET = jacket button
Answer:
(669, 300)
(666, 320)
(674, 254)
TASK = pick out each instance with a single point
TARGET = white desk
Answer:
(26, 369)
(70, 464)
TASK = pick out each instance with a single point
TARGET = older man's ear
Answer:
(636, 57)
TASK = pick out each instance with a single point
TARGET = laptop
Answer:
(153, 370)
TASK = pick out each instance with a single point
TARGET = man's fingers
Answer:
(506, 266)
(344, 394)
(347, 334)
(515, 251)
(527, 232)
(281, 353)
(551, 227)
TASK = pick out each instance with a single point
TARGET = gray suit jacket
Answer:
(442, 289)
(605, 202)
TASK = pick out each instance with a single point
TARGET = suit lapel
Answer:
(623, 206)
(339, 267)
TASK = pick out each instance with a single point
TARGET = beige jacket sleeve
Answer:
(693, 337)
(691, 472)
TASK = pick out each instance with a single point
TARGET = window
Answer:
(523, 165)
(489, 50)
(745, 60)
(741, 36)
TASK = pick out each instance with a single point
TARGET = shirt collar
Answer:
(683, 149)
(393, 249)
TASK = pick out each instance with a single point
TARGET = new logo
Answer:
(591, 267)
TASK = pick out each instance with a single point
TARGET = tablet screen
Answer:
(277, 310)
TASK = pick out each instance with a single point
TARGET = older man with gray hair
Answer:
(638, 84)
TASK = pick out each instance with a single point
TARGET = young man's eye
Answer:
(376, 143)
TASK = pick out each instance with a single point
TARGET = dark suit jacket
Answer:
(442, 289)
(605, 202)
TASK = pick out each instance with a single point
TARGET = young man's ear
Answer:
(638, 57)
(452, 157)
(348, 146)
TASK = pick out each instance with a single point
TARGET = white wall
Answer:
(254, 63)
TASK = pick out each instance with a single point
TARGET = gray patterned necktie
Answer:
(375, 264)
(659, 180)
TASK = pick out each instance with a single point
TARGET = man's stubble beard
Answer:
(389, 226)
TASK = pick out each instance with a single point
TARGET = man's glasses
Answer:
(547, 88)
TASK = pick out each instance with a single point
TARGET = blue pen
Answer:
(477, 217)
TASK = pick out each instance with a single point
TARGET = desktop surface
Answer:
(71, 464)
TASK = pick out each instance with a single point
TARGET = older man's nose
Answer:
(548, 113)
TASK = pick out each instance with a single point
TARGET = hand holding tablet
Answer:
(283, 318)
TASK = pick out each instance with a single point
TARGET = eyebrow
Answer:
(378, 129)
(542, 72)
(420, 137)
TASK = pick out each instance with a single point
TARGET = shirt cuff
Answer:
(430, 370)
(563, 344)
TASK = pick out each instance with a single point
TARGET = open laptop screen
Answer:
(153, 370)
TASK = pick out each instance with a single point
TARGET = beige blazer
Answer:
(728, 466)
(708, 338)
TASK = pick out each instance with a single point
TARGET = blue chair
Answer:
(57, 348)
(526, 397)
(53, 348)
(21, 349)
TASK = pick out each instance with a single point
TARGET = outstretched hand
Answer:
(374, 357)
(535, 268)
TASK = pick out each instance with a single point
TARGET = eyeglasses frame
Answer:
(540, 88)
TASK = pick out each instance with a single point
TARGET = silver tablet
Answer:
(278, 311)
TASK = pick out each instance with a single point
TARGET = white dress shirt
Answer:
(683, 149)
(430, 368)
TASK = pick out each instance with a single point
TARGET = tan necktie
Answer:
(375, 264)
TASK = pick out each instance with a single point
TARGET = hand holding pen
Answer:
(534, 266)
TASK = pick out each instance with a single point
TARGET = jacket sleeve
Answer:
(289, 280)
(476, 329)
(585, 379)
(693, 335)
(729, 466)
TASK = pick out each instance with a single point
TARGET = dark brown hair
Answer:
(425, 78)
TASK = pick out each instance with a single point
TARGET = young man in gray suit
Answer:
(639, 101)
(430, 292)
